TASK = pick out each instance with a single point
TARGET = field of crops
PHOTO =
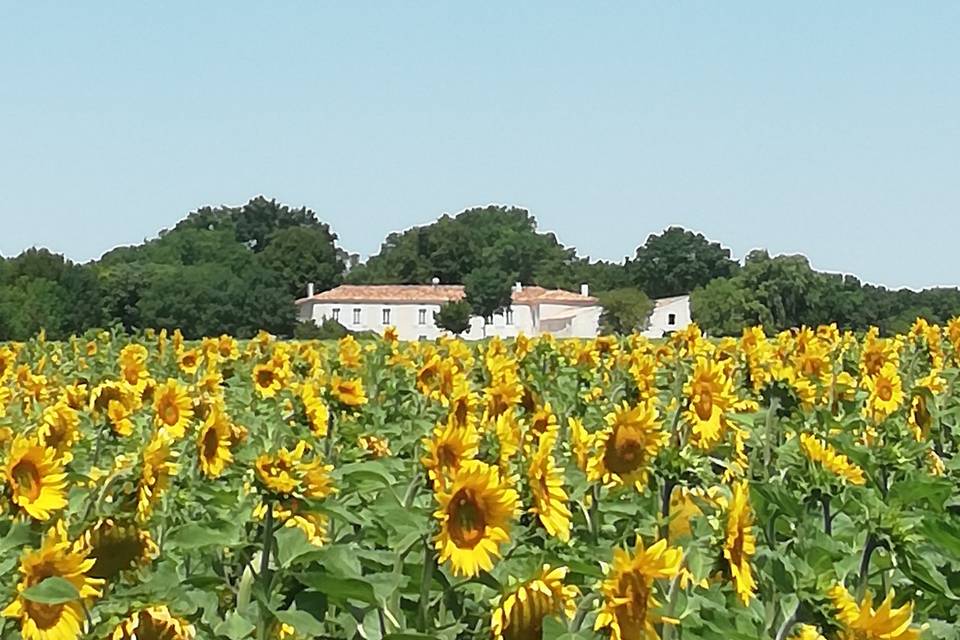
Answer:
(800, 486)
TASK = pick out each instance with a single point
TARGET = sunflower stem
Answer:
(267, 547)
(585, 605)
(827, 518)
(787, 625)
(594, 513)
(412, 490)
(668, 486)
(426, 580)
(868, 548)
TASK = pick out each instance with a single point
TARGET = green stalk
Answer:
(426, 580)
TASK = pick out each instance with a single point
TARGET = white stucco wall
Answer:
(406, 319)
(660, 320)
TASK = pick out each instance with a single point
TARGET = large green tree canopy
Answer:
(678, 261)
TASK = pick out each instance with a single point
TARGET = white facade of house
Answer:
(669, 315)
(410, 309)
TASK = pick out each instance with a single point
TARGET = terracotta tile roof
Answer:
(437, 294)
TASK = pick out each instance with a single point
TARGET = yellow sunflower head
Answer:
(116, 547)
(519, 615)
(316, 409)
(158, 467)
(475, 511)
(214, 441)
(629, 607)
(35, 478)
(740, 543)
(189, 361)
(448, 447)
(546, 487)
(173, 408)
(59, 429)
(374, 446)
(627, 446)
(862, 621)
(153, 623)
(57, 556)
(348, 392)
(886, 393)
(710, 394)
(268, 379)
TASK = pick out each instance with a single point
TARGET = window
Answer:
(422, 316)
(488, 320)
(509, 316)
(335, 314)
(386, 316)
(672, 319)
(356, 316)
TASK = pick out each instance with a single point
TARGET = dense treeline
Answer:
(238, 269)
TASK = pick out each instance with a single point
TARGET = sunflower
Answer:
(35, 478)
(519, 615)
(740, 544)
(710, 393)
(886, 393)
(213, 442)
(348, 392)
(112, 391)
(546, 487)
(133, 366)
(290, 515)
(448, 447)
(863, 622)
(158, 461)
(119, 416)
(153, 623)
(807, 632)
(876, 353)
(581, 442)
(116, 547)
(349, 353)
(189, 361)
(172, 408)
(627, 446)
(56, 557)
(227, 348)
(59, 429)
(831, 460)
(503, 394)
(475, 511)
(316, 409)
(288, 473)
(629, 603)
(542, 421)
(375, 446)
(507, 429)
(268, 379)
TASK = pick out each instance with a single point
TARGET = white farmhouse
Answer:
(410, 308)
(669, 315)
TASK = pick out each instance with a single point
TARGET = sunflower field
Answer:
(798, 486)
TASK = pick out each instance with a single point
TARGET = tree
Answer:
(454, 316)
(301, 255)
(678, 261)
(624, 311)
(454, 246)
(725, 306)
(488, 290)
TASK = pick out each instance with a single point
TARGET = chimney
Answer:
(585, 290)
(309, 289)
(518, 286)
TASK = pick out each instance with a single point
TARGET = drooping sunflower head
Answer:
(629, 608)
(35, 478)
(348, 392)
(862, 621)
(627, 446)
(59, 429)
(546, 487)
(173, 408)
(57, 556)
(214, 441)
(740, 543)
(153, 623)
(519, 615)
(116, 547)
(475, 511)
(158, 467)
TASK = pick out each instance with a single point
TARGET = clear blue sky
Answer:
(830, 129)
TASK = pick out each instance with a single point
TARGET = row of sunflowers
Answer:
(799, 486)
